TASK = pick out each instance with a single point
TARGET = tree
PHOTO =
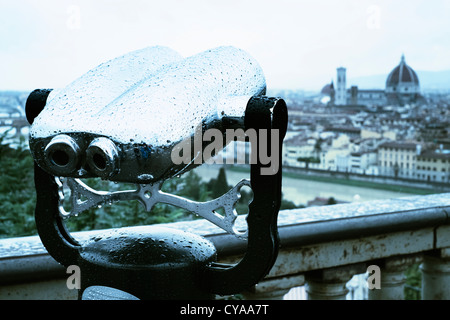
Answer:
(396, 170)
(318, 148)
(331, 201)
(220, 185)
(287, 205)
(17, 192)
(316, 157)
(193, 188)
(308, 160)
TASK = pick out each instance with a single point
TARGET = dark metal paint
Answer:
(187, 274)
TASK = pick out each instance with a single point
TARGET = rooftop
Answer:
(399, 145)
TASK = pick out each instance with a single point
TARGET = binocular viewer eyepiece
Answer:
(64, 156)
(102, 157)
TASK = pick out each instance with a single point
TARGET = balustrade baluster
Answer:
(436, 275)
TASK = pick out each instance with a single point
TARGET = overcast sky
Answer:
(299, 44)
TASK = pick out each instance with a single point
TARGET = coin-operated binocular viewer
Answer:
(145, 118)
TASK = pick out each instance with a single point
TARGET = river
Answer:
(300, 191)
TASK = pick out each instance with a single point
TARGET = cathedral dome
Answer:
(327, 89)
(402, 79)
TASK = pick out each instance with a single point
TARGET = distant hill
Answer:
(429, 80)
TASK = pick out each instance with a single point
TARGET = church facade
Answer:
(402, 87)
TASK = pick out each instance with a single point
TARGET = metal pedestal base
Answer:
(161, 264)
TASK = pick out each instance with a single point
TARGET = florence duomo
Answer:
(402, 88)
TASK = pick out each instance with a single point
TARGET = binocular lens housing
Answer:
(102, 157)
(62, 155)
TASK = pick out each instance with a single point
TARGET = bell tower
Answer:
(341, 91)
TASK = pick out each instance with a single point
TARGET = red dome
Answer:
(402, 74)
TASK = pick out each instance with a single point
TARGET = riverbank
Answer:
(312, 175)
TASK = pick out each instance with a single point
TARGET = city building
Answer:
(350, 131)
(378, 133)
(362, 162)
(398, 159)
(434, 165)
(297, 149)
(435, 131)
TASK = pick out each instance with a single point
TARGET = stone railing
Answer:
(322, 248)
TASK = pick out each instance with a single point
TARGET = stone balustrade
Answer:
(321, 249)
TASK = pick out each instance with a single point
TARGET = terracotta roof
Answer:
(401, 74)
(327, 89)
(399, 145)
(431, 154)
